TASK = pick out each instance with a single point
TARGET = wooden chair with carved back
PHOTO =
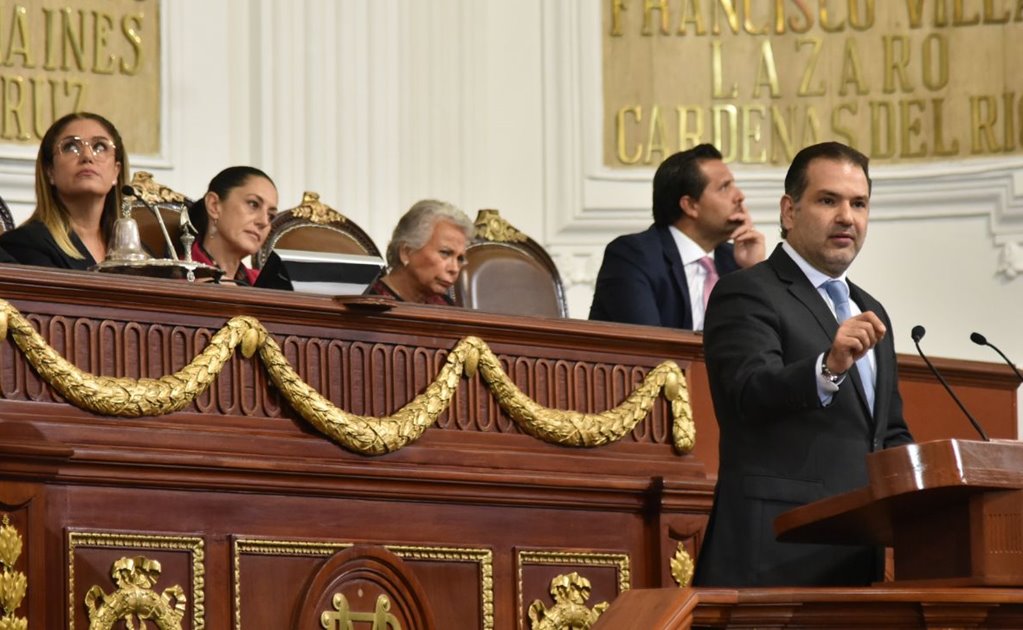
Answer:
(313, 226)
(508, 272)
(172, 207)
(6, 218)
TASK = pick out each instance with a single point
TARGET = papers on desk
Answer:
(327, 273)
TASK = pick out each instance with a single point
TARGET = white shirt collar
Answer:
(816, 277)
(687, 247)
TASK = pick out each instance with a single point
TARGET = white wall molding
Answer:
(1010, 258)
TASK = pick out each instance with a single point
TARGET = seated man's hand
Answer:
(749, 241)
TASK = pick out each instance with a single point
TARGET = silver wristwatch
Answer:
(828, 375)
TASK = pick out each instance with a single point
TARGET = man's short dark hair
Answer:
(795, 179)
(677, 176)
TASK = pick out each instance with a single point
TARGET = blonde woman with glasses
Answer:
(80, 170)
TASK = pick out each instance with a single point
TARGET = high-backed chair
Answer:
(170, 204)
(6, 219)
(313, 226)
(508, 272)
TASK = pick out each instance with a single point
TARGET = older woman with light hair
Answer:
(426, 254)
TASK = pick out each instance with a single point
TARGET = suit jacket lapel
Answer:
(800, 287)
(678, 273)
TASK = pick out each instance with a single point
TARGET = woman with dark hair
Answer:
(233, 221)
(80, 170)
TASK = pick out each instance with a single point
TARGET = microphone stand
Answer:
(918, 334)
(981, 340)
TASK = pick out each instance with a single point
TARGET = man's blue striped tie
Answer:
(838, 291)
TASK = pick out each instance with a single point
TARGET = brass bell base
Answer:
(162, 268)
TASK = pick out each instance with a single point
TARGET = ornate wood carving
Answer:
(257, 563)
(484, 516)
(361, 377)
(367, 584)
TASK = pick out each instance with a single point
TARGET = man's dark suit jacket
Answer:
(642, 280)
(779, 447)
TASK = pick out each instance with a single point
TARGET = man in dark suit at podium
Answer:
(803, 374)
(663, 276)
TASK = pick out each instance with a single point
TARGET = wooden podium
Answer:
(951, 509)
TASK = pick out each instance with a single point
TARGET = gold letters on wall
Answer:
(60, 56)
(898, 79)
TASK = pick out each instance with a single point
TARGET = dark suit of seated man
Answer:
(802, 371)
(663, 276)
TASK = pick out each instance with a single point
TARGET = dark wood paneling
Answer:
(239, 464)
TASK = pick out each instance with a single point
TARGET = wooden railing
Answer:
(254, 513)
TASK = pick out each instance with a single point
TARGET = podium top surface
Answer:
(928, 472)
(946, 463)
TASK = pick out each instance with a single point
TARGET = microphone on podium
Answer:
(918, 333)
(981, 340)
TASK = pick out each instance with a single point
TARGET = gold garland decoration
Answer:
(366, 435)
(13, 583)
(682, 567)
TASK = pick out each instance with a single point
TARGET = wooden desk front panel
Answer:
(269, 498)
(241, 501)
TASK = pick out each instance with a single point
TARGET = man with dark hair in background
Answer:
(803, 375)
(663, 276)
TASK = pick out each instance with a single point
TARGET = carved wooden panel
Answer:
(484, 516)
(363, 377)
(109, 573)
(270, 580)
(360, 585)
(550, 580)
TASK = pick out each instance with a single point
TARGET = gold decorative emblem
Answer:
(491, 226)
(135, 599)
(77, 541)
(153, 191)
(569, 612)
(316, 211)
(483, 558)
(682, 567)
(342, 618)
(13, 584)
(362, 434)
